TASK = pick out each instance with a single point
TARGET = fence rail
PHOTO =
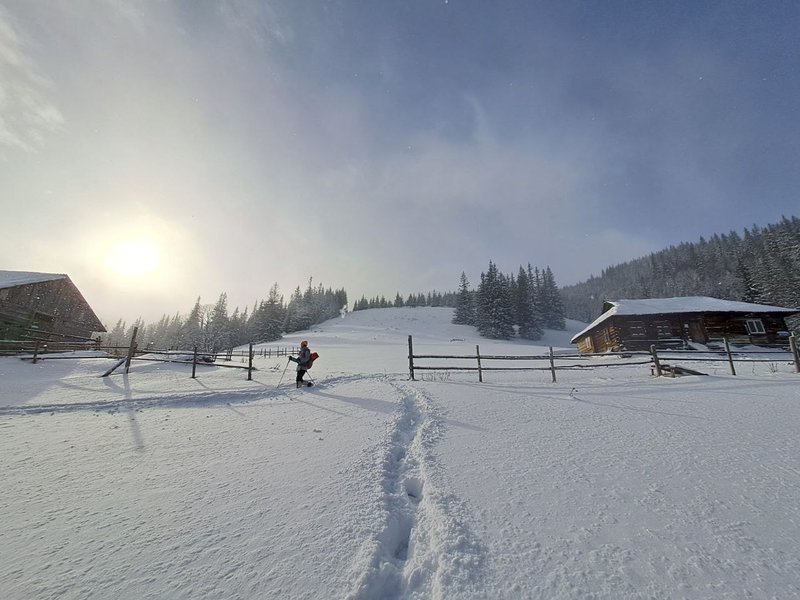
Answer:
(127, 354)
(11, 347)
(633, 358)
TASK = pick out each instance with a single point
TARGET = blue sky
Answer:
(157, 151)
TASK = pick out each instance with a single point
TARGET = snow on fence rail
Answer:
(653, 358)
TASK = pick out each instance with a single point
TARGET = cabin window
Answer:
(637, 329)
(755, 327)
(4, 294)
(663, 329)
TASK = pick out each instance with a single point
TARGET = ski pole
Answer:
(284, 373)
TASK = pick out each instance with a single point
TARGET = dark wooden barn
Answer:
(681, 322)
(44, 306)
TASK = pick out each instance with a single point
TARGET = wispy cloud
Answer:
(27, 114)
(258, 21)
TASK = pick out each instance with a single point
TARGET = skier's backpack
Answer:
(314, 356)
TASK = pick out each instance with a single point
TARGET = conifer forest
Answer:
(762, 265)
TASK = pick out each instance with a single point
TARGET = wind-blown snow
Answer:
(608, 484)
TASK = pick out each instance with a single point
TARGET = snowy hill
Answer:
(376, 340)
(609, 484)
(428, 325)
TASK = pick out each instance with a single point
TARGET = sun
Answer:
(135, 256)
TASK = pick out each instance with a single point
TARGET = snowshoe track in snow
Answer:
(425, 539)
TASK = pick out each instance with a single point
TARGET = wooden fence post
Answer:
(36, 352)
(795, 353)
(250, 364)
(131, 351)
(112, 369)
(480, 371)
(552, 365)
(411, 358)
(730, 357)
(656, 364)
(194, 363)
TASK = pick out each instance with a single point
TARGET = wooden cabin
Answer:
(681, 322)
(44, 306)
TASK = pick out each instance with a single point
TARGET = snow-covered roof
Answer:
(15, 278)
(686, 304)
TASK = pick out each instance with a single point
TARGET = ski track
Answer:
(425, 548)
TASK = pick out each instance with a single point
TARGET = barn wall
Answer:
(639, 332)
(734, 327)
(46, 310)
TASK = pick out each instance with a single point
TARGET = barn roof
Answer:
(14, 278)
(682, 305)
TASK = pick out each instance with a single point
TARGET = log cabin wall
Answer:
(47, 310)
(603, 339)
(671, 331)
(735, 327)
(639, 332)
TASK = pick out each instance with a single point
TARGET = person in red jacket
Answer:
(303, 361)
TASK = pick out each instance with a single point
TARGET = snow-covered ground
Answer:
(607, 484)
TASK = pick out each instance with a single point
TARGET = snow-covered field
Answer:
(608, 484)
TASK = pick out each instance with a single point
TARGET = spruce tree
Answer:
(493, 307)
(464, 313)
(268, 318)
(192, 332)
(528, 322)
(219, 332)
(116, 337)
(534, 284)
(553, 312)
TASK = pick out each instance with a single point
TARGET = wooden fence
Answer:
(125, 355)
(655, 359)
(39, 347)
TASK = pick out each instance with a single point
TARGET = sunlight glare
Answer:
(138, 256)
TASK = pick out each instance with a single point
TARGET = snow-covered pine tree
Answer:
(752, 291)
(464, 313)
(782, 270)
(298, 312)
(116, 337)
(493, 306)
(528, 322)
(192, 332)
(534, 285)
(268, 317)
(553, 305)
(219, 332)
